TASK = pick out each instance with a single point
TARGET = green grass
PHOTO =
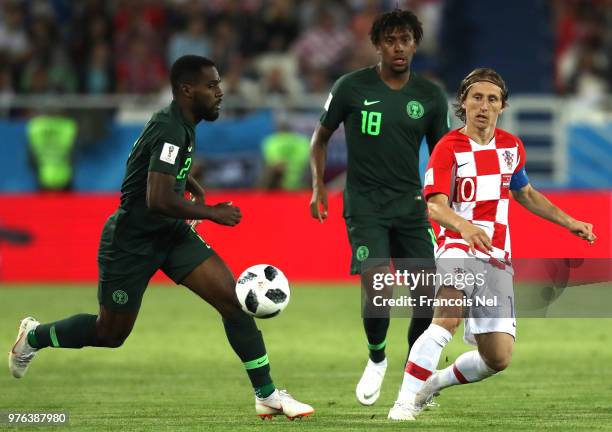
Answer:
(177, 371)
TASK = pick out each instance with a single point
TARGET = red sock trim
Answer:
(417, 371)
(459, 375)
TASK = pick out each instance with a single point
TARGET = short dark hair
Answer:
(188, 69)
(480, 74)
(390, 21)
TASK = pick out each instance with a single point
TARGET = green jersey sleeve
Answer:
(440, 124)
(166, 152)
(336, 108)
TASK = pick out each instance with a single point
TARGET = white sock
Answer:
(468, 368)
(423, 359)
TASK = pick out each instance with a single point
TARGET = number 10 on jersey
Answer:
(370, 122)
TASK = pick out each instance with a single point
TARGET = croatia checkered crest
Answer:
(263, 291)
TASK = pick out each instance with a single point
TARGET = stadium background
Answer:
(105, 65)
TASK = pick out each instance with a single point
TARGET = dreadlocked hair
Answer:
(395, 19)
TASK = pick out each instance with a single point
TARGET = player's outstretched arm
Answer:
(318, 156)
(440, 212)
(161, 198)
(539, 205)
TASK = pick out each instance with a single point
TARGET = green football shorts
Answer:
(376, 240)
(124, 275)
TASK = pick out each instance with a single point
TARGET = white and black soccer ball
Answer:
(263, 291)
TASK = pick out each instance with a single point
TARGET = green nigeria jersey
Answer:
(384, 129)
(165, 145)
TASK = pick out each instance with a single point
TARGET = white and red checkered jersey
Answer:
(476, 178)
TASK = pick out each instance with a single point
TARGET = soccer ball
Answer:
(263, 291)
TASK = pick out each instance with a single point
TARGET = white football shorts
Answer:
(488, 290)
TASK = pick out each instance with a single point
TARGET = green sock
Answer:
(32, 341)
(377, 352)
(265, 391)
(376, 332)
(248, 344)
(74, 332)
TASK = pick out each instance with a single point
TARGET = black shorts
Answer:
(375, 240)
(124, 275)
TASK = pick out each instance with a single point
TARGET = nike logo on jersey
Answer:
(463, 164)
(367, 102)
(189, 148)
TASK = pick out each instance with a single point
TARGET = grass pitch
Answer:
(177, 372)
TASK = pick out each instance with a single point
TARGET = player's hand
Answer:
(225, 214)
(476, 238)
(318, 203)
(583, 230)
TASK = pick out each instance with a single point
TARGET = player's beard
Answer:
(204, 111)
(211, 115)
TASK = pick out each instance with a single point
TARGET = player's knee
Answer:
(230, 311)
(498, 362)
(229, 307)
(114, 342)
(450, 324)
(111, 339)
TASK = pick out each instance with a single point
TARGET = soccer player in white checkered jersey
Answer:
(471, 175)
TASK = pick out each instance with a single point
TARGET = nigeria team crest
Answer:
(362, 253)
(120, 297)
(415, 109)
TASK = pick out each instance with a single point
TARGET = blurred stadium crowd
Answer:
(113, 56)
(262, 47)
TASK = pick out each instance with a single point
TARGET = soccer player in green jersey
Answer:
(148, 232)
(387, 110)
